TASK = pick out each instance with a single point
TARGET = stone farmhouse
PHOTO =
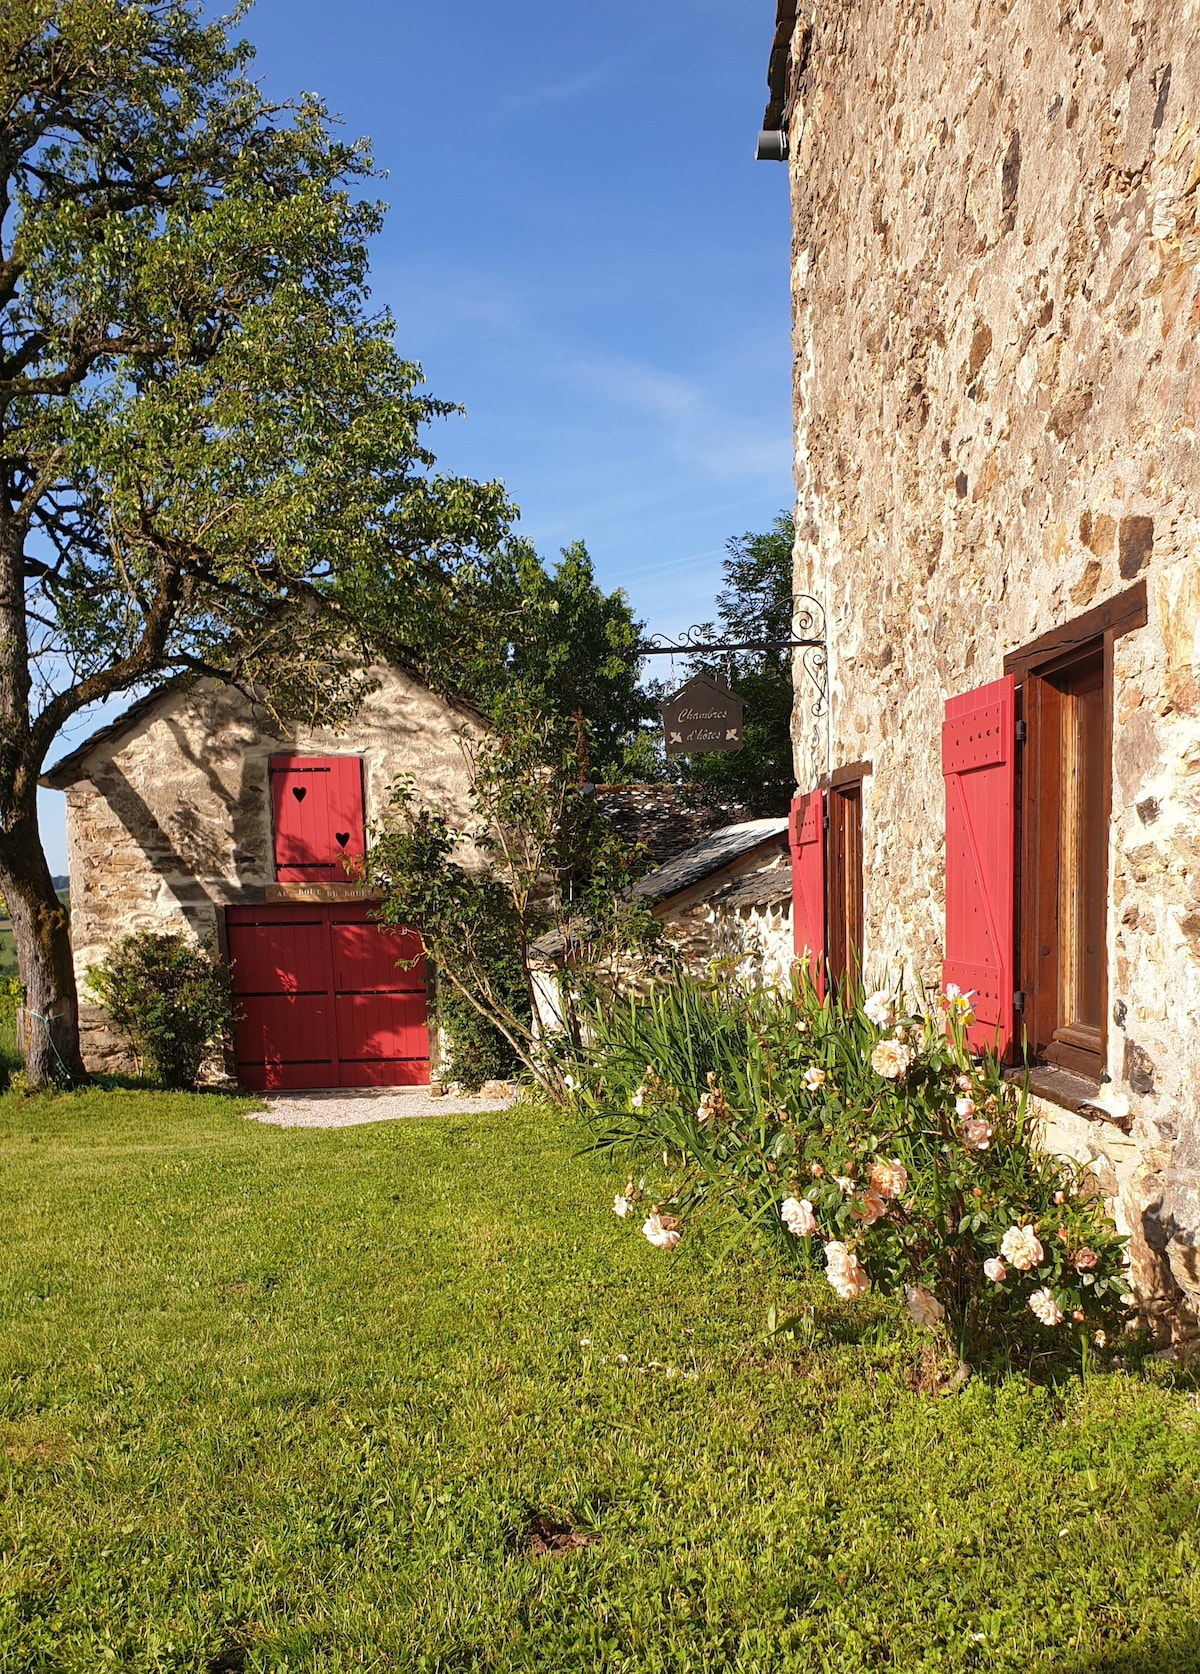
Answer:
(996, 308)
(194, 810)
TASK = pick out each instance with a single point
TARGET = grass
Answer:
(286, 1400)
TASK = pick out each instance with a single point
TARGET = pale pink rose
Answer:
(1060, 1197)
(816, 1170)
(660, 1230)
(923, 1306)
(1085, 1260)
(889, 1179)
(844, 1272)
(1078, 1316)
(995, 1270)
(872, 1207)
(796, 1213)
(963, 1083)
(1020, 1244)
(879, 1010)
(1042, 1304)
(814, 1078)
(976, 1133)
(621, 1205)
(891, 1059)
(964, 1107)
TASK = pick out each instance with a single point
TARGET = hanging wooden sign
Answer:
(703, 715)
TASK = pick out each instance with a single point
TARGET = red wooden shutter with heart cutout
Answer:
(807, 837)
(978, 763)
(317, 802)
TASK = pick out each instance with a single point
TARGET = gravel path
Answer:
(342, 1107)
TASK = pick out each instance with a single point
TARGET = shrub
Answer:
(860, 1135)
(171, 996)
(475, 1049)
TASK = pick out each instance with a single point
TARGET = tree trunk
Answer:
(41, 931)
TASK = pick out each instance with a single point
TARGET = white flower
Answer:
(964, 1107)
(845, 1182)
(923, 1306)
(660, 1230)
(844, 1272)
(814, 1078)
(796, 1213)
(621, 1205)
(570, 1083)
(976, 1133)
(995, 1270)
(637, 1098)
(879, 1009)
(891, 1059)
(889, 1179)
(1022, 1247)
(1042, 1304)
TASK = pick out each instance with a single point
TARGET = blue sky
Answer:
(582, 251)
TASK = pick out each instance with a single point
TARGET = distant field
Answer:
(8, 956)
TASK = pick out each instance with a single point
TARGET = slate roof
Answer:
(711, 854)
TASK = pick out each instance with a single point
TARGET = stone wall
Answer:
(996, 212)
(743, 917)
(169, 821)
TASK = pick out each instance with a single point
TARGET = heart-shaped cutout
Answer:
(299, 792)
(343, 837)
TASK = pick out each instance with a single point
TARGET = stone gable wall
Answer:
(173, 819)
(996, 213)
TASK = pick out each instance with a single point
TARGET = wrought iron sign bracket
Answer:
(807, 636)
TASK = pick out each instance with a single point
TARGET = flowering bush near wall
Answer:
(859, 1136)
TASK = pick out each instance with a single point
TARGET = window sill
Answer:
(1063, 1087)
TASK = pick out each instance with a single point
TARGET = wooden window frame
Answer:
(1039, 857)
(844, 908)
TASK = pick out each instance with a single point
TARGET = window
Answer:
(844, 872)
(1026, 761)
(317, 804)
(1062, 916)
(827, 875)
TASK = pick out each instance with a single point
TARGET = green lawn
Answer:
(287, 1400)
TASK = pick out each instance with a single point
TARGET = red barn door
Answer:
(321, 1001)
(979, 767)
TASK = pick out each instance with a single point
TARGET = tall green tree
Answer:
(551, 634)
(755, 604)
(210, 450)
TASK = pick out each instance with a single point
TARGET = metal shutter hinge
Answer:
(1021, 731)
(1018, 1001)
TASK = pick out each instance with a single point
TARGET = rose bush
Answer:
(860, 1135)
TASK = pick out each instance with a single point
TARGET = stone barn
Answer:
(996, 308)
(194, 810)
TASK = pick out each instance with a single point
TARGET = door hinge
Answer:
(1021, 732)
(1018, 1001)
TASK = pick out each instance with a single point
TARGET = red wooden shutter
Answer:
(978, 763)
(318, 807)
(807, 837)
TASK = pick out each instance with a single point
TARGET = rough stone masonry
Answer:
(996, 212)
